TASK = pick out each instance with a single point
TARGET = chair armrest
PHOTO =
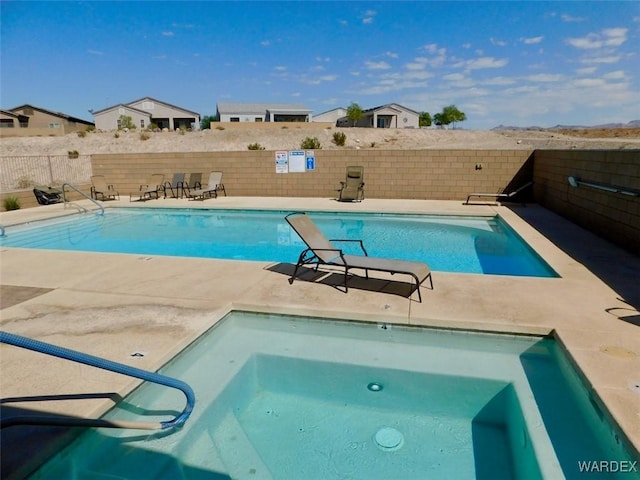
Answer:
(352, 241)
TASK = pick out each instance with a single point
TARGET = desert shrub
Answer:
(116, 135)
(145, 136)
(90, 128)
(339, 138)
(82, 133)
(373, 144)
(73, 153)
(219, 127)
(255, 146)
(310, 143)
(11, 203)
(25, 182)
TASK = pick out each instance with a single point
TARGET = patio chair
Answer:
(214, 186)
(47, 195)
(195, 181)
(150, 190)
(101, 190)
(321, 251)
(501, 195)
(176, 185)
(353, 186)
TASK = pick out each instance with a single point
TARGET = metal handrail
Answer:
(73, 187)
(1, 230)
(75, 356)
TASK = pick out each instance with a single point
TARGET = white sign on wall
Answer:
(282, 162)
(297, 161)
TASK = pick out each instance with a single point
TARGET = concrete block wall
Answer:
(610, 215)
(409, 174)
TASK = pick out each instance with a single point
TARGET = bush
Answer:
(219, 127)
(145, 136)
(25, 182)
(90, 128)
(310, 143)
(73, 153)
(255, 146)
(11, 203)
(82, 133)
(339, 138)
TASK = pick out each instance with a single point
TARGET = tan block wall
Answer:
(408, 174)
(610, 215)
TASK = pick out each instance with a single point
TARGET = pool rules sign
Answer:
(295, 161)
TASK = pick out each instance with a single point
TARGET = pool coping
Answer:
(187, 296)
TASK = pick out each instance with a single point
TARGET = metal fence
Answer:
(19, 173)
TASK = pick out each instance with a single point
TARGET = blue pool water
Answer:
(281, 397)
(447, 243)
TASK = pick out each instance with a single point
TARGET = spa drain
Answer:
(389, 439)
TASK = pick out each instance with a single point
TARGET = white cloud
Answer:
(167, 34)
(391, 54)
(546, 77)
(610, 37)
(280, 68)
(498, 81)
(586, 70)
(377, 65)
(368, 17)
(498, 43)
(571, 19)
(616, 75)
(265, 43)
(95, 52)
(532, 40)
(485, 62)
(599, 60)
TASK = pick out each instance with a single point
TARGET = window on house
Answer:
(258, 119)
(142, 123)
(6, 123)
(54, 125)
(234, 119)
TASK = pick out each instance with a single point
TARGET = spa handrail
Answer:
(576, 181)
(73, 187)
(75, 356)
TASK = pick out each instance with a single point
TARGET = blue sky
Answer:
(511, 63)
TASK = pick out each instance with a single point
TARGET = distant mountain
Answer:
(631, 124)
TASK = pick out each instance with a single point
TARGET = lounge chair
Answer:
(214, 186)
(47, 195)
(501, 195)
(101, 190)
(353, 186)
(321, 251)
(195, 181)
(151, 189)
(176, 185)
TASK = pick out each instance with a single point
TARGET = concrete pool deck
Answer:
(142, 310)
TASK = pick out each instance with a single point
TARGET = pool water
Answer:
(446, 243)
(291, 397)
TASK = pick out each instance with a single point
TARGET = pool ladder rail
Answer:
(76, 189)
(79, 357)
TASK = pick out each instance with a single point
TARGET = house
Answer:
(263, 112)
(331, 116)
(12, 120)
(391, 115)
(147, 112)
(42, 120)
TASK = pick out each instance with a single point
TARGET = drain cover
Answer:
(389, 439)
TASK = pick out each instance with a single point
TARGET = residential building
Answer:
(41, 120)
(263, 112)
(391, 115)
(331, 116)
(147, 112)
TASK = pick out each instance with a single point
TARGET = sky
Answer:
(510, 63)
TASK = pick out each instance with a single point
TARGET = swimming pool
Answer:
(294, 397)
(447, 243)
